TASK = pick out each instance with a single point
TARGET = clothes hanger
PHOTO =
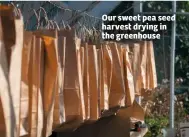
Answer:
(37, 17)
(45, 17)
(37, 14)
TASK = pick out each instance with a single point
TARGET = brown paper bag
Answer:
(100, 78)
(8, 30)
(50, 73)
(30, 85)
(24, 96)
(93, 82)
(7, 40)
(12, 42)
(120, 48)
(35, 72)
(82, 61)
(108, 67)
(15, 71)
(104, 89)
(147, 70)
(37, 120)
(86, 82)
(136, 67)
(152, 67)
(135, 111)
(7, 117)
(56, 114)
(79, 67)
(59, 112)
(38, 73)
(147, 94)
(143, 53)
(60, 41)
(73, 92)
(129, 83)
(117, 91)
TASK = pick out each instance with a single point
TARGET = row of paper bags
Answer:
(51, 80)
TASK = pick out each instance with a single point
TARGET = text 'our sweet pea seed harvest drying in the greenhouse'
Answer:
(134, 27)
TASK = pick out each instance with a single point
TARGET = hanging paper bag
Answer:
(136, 67)
(129, 83)
(79, 67)
(50, 73)
(7, 40)
(86, 82)
(152, 67)
(135, 112)
(143, 53)
(24, 96)
(15, 71)
(93, 82)
(117, 91)
(59, 112)
(37, 82)
(73, 91)
(104, 95)
(108, 67)
(82, 61)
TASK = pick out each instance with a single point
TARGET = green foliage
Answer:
(155, 124)
(182, 49)
(182, 42)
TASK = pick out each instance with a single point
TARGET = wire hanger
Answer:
(45, 16)
(38, 16)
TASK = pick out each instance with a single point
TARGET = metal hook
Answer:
(38, 18)
(68, 26)
(51, 22)
(56, 24)
(16, 11)
(45, 13)
(63, 24)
